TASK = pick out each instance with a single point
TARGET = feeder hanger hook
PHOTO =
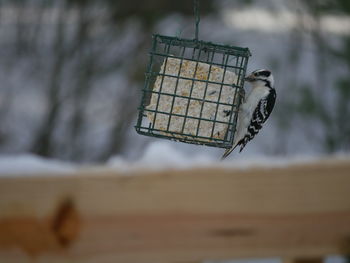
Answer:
(197, 18)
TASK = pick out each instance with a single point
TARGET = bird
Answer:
(255, 109)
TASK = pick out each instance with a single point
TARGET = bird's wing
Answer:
(260, 115)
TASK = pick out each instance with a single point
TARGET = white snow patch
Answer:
(27, 164)
(335, 259)
(162, 155)
(260, 19)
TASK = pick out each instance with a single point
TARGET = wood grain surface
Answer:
(176, 215)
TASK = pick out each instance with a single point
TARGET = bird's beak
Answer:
(249, 78)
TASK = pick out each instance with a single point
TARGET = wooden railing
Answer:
(299, 212)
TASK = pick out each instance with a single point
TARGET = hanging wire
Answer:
(197, 18)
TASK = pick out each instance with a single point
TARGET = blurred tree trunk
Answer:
(43, 143)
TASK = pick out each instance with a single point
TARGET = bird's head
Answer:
(261, 76)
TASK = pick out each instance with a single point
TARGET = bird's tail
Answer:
(228, 151)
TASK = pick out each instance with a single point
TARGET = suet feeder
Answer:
(193, 90)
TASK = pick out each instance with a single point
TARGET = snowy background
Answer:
(71, 73)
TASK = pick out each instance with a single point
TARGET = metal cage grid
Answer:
(228, 58)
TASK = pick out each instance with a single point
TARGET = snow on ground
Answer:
(158, 155)
(27, 164)
(162, 155)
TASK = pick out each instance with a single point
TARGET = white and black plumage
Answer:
(256, 108)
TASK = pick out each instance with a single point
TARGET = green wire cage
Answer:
(193, 90)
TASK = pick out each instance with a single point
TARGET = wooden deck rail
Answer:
(301, 211)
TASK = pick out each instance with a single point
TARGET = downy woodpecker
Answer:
(256, 108)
